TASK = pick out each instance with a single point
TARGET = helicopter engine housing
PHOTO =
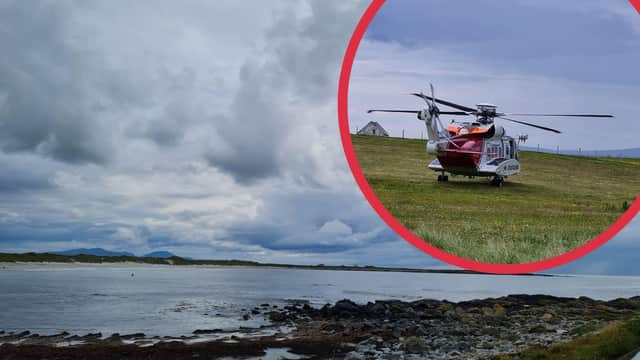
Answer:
(498, 132)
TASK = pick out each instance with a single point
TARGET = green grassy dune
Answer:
(617, 341)
(555, 204)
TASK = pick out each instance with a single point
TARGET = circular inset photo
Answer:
(488, 140)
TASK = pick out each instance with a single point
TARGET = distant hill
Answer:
(178, 261)
(621, 153)
(159, 255)
(94, 252)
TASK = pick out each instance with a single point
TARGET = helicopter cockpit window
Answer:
(492, 151)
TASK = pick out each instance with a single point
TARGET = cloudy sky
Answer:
(572, 56)
(208, 128)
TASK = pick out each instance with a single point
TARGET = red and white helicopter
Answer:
(479, 148)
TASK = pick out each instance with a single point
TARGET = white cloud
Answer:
(335, 227)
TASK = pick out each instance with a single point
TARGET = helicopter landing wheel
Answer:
(497, 181)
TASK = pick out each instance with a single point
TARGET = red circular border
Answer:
(343, 118)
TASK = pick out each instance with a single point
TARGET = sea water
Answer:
(175, 301)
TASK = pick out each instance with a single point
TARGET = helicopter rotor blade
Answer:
(530, 124)
(393, 111)
(446, 103)
(461, 113)
(565, 115)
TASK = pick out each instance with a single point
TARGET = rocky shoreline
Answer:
(390, 329)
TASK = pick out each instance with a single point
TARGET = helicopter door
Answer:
(512, 146)
(507, 150)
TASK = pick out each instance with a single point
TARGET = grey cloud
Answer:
(254, 130)
(308, 51)
(117, 89)
(81, 81)
(298, 70)
(23, 174)
(575, 39)
(43, 109)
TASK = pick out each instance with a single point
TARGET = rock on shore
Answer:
(432, 329)
(392, 329)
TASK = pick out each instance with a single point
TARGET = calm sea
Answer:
(174, 301)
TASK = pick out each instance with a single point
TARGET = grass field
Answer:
(619, 340)
(554, 205)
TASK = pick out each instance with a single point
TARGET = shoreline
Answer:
(28, 265)
(7, 259)
(429, 329)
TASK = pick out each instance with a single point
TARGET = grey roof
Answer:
(373, 128)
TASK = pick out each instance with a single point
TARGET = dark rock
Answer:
(539, 329)
(414, 345)
(486, 345)
(376, 309)
(419, 331)
(346, 308)
(276, 316)
(490, 331)
(620, 303)
(333, 327)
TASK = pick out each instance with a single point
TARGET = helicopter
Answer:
(478, 148)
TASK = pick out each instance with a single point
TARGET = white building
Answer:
(373, 128)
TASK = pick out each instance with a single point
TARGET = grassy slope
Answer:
(617, 341)
(556, 204)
